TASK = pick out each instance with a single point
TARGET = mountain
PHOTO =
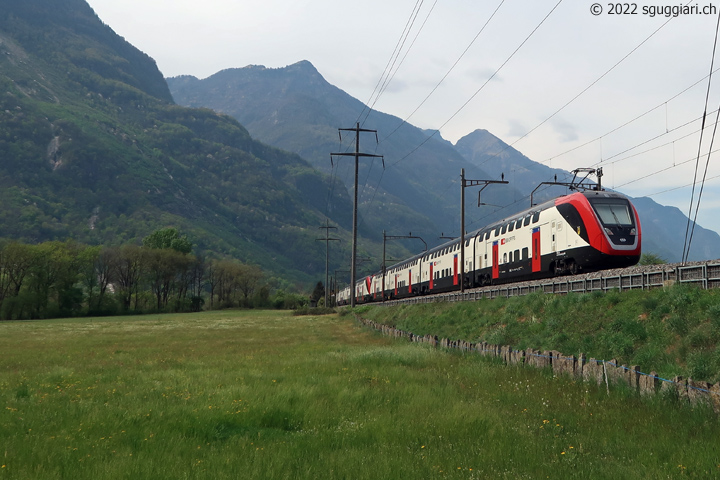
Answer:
(92, 147)
(663, 227)
(296, 109)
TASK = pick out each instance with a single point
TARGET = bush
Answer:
(701, 365)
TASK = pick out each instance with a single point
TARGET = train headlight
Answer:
(633, 231)
(608, 231)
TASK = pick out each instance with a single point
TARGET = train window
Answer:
(467, 244)
(527, 221)
(511, 227)
(536, 217)
(503, 230)
(525, 253)
(517, 255)
(497, 231)
(519, 223)
(505, 258)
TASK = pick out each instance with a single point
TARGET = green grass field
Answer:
(267, 395)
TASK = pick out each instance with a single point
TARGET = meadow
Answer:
(252, 394)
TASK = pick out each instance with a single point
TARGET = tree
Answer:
(87, 261)
(127, 268)
(247, 281)
(166, 271)
(168, 238)
(318, 292)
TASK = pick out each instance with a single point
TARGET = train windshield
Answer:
(613, 211)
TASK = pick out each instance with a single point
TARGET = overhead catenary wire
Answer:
(629, 122)
(581, 92)
(702, 184)
(675, 165)
(686, 248)
(650, 140)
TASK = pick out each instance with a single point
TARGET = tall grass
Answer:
(267, 395)
(674, 331)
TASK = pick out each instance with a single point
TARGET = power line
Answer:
(412, 44)
(697, 164)
(483, 85)
(393, 57)
(626, 123)
(581, 93)
(446, 74)
(678, 188)
(702, 184)
(660, 171)
(650, 140)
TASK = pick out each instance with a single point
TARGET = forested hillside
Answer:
(92, 148)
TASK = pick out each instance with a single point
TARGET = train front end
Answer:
(613, 228)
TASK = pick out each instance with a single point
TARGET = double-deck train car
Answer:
(584, 231)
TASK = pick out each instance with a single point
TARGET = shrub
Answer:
(700, 364)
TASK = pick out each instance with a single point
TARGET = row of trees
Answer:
(63, 279)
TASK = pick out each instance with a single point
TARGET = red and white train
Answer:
(581, 232)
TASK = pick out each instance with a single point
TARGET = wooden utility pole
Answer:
(357, 156)
(327, 241)
(469, 183)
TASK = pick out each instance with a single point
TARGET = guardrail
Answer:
(705, 275)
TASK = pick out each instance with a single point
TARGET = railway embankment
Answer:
(661, 341)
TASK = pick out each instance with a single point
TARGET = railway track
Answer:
(702, 274)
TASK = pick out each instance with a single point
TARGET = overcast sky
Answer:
(513, 79)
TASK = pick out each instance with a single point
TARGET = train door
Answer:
(495, 260)
(481, 251)
(432, 279)
(410, 281)
(536, 263)
(553, 241)
(469, 256)
(455, 269)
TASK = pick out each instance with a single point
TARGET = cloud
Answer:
(516, 128)
(566, 131)
(482, 74)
